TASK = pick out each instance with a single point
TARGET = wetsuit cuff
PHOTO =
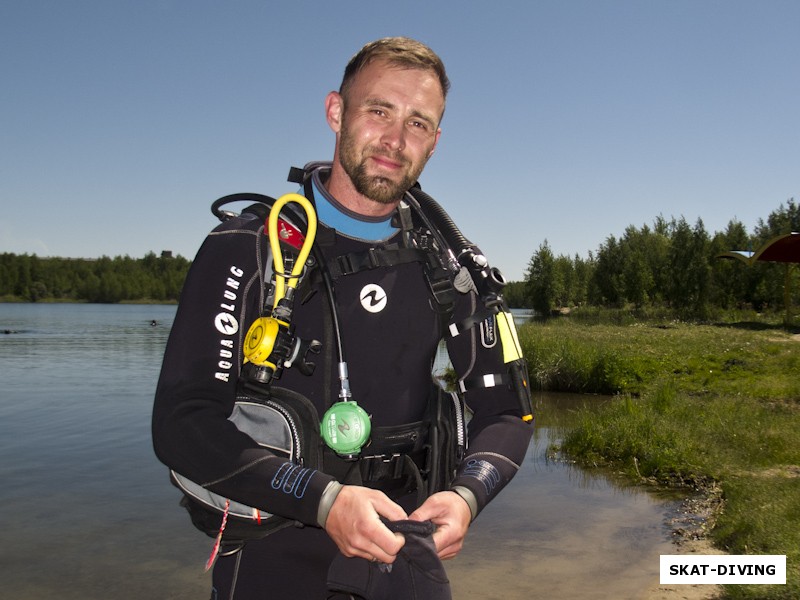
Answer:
(329, 495)
(469, 498)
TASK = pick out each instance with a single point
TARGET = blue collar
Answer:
(345, 221)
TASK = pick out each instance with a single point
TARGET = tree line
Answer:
(668, 264)
(154, 278)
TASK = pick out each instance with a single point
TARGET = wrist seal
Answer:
(469, 498)
(329, 495)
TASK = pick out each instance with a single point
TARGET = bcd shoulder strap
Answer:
(418, 245)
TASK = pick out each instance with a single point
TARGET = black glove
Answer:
(416, 574)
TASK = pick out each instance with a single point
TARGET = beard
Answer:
(377, 188)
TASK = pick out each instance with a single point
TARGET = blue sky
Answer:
(121, 121)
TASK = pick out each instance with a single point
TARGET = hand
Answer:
(354, 524)
(451, 515)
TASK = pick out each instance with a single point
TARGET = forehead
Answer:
(383, 80)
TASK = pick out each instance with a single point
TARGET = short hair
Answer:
(398, 51)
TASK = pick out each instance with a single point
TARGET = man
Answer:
(386, 119)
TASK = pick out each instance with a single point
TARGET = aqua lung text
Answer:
(227, 324)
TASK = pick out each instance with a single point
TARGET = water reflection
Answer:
(559, 531)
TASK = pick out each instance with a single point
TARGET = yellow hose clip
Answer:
(277, 256)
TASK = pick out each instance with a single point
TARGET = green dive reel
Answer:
(345, 428)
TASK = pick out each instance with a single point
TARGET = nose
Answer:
(394, 136)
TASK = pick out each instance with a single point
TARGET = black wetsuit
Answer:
(390, 350)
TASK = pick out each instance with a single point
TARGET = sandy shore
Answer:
(689, 525)
(686, 592)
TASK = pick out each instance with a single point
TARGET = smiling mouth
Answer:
(387, 162)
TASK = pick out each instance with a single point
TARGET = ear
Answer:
(334, 109)
(435, 141)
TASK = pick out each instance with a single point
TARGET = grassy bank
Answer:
(702, 406)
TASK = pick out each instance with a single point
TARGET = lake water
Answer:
(88, 512)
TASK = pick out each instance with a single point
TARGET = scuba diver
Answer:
(296, 409)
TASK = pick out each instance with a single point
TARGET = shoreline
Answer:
(689, 526)
(683, 591)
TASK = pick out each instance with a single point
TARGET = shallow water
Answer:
(88, 512)
(560, 532)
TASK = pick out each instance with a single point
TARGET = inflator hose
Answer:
(489, 280)
(441, 220)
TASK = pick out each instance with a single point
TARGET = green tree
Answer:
(582, 274)
(515, 294)
(732, 281)
(564, 276)
(541, 278)
(689, 269)
(636, 272)
(607, 286)
(785, 219)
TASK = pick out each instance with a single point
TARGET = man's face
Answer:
(389, 129)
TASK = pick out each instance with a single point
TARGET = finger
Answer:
(380, 553)
(446, 548)
(389, 509)
(375, 540)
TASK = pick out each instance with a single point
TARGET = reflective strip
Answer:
(485, 381)
(479, 317)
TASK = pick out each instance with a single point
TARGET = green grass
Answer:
(695, 405)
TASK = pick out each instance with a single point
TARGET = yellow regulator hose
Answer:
(277, 256)
(260, 340)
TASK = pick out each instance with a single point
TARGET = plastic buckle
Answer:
(382, 466)
(345, 265)
(373, 257)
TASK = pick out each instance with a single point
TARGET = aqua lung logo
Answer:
(489, 332)
(227, 324)
(483, 471)
(373, 298)
(292, 479)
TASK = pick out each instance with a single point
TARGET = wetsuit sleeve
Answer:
(197, 387)
(498, 436)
